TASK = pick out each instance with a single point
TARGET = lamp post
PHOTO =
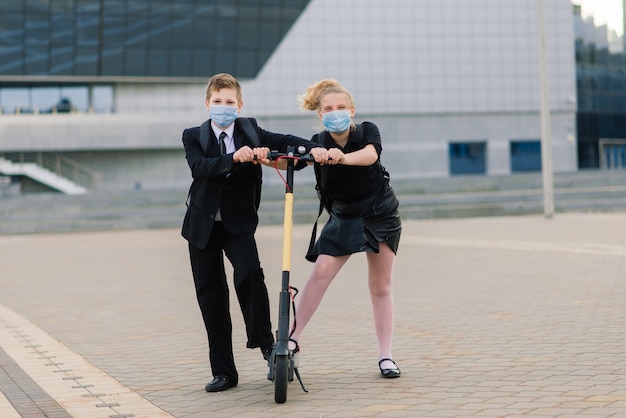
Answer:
(546, 128)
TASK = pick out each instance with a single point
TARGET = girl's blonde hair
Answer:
(312, 98)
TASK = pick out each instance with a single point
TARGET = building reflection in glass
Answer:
(601, 81)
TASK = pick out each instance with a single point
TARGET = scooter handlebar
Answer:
(300, 154)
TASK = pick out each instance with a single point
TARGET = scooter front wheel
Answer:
(281, 378)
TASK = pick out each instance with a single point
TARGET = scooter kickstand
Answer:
(300, 380)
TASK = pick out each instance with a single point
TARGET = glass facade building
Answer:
(59, 50)
(601, 90)
(453, 85)
(100, 39)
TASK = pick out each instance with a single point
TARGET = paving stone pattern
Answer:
(495, 317)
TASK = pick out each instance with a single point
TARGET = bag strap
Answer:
(314, 231)
(249, 131)
(191, 189)
(322, 183)
(203, 139)
(321, 189)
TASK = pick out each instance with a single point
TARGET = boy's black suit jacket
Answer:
(235, 188)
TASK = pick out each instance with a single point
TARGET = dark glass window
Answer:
(63, 30)
(85, 37)
(525, 156)
(601, 90)
(182, 36)
(11, 59)
(102, 99)
(37, 29)
(15, 100)
(114, 30)
(86, 61)
(12, 32)
(225, 61)
(89, 6)
(135, 62)
(201, 58)
(43, 98)
(87, 30)
(467, 158)
(182, 7)
(36, 60)
(62, 61)
(613, 154)
(63, 98)
(57, 6)
(113, 61)
(137, 31)
(158, 62)
(181, 62)
(139, 7)
(161, 31)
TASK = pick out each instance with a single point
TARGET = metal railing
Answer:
(54, 110)
(60, 165)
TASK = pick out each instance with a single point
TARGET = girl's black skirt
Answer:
(361, 226)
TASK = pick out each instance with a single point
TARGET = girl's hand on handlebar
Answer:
(319, 154)
(261, 156)
(335, 156)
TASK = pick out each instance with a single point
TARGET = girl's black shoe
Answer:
(389, 373)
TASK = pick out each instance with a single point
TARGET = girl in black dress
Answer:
(363, 213)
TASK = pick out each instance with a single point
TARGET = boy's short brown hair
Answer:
(223, 81)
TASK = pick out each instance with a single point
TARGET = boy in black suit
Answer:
(224, 155)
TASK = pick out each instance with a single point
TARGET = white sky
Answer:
(608, 12)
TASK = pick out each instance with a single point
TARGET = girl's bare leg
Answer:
(380, 267)
(324, 271)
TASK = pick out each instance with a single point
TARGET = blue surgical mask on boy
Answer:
(337, 121)
(223, 115)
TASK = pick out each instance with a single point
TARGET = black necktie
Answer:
(222, 142)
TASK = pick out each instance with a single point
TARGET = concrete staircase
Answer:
(512, 195)
(471, 196)
(41, 175)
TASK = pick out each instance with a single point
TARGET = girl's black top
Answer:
(362, 206)
(349, 184)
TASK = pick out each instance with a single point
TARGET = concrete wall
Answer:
(151, 153)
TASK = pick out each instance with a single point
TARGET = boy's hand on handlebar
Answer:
(246, 154)
(243, 155)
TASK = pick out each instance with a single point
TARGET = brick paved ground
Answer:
(518, 316)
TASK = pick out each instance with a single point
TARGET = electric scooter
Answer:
(281, 363)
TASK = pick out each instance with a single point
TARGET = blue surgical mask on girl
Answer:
(337, 121)
(223, 115)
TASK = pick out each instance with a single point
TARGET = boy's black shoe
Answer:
(220, 383)
(267, 352)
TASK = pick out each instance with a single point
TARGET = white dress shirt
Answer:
(230, 148)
